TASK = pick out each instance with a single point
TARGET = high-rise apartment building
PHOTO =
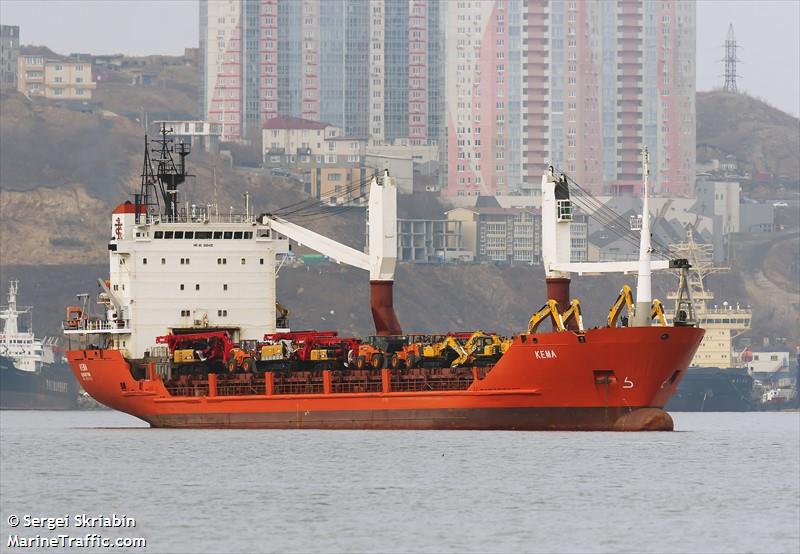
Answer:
(603, 79)
(483, 89)
(372, 68)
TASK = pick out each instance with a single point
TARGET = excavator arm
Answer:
(550, 309)
(573, 312)
(658, 311)
(625, 299)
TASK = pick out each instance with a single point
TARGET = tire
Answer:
(361, 362)
(394, 361)
(248, 364)
(377, 361)
(411, 362)
(232, 366)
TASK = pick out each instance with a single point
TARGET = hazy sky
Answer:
(768, 32)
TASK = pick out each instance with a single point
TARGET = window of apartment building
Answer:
(58, 91)
(59, 67)
(58, 79)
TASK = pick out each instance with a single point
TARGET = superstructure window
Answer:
(222, 313)
(167, 234)
(178, 234)
(144, 261)
(237, 235)
(197, 286)
(181, 286)
(248, 234)
(188, 234)
(225, 286)
(228, 234)
(217, 234)
(243, 261)
(163, 261)
(184, 313)
(202, 235)
(159, 234)
(261, 261)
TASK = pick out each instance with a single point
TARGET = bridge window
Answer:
(188, 235)
(178, 234)
(228, 234)
(167, 234)
(237, 235)
(217, 234)
(159, 234)
(248, 234)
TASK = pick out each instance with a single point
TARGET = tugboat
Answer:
(32, 374)
(192, 334)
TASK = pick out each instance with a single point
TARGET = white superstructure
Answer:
(21, 347)
(198, 271)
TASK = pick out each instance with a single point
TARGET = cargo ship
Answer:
(190, 332)
(717, 379)
(33, 375)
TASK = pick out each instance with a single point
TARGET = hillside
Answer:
(763, 138)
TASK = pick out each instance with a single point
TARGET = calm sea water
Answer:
(723, 483)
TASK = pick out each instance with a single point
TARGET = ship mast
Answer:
(644, 294)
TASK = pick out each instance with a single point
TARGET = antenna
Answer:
(730, 61)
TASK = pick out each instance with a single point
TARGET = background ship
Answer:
(717, 380)
(33, 375)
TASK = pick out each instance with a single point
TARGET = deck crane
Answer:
(556, 253)
(381, 258)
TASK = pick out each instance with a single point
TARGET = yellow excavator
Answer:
(573, 313)
(550, 309)
(658, 311)
(481, 348)
(625, 298)
(438, 350)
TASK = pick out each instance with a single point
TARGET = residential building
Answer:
(340, 184)
(43, 73)
(372, 69)
(430, 240)
(602, 79)
(482, 94)
(200, 134)
(298, 142)
(495, 234)
(9, 52)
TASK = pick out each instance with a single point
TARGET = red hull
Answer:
(607, 379)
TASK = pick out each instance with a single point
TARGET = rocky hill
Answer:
(763, 138)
